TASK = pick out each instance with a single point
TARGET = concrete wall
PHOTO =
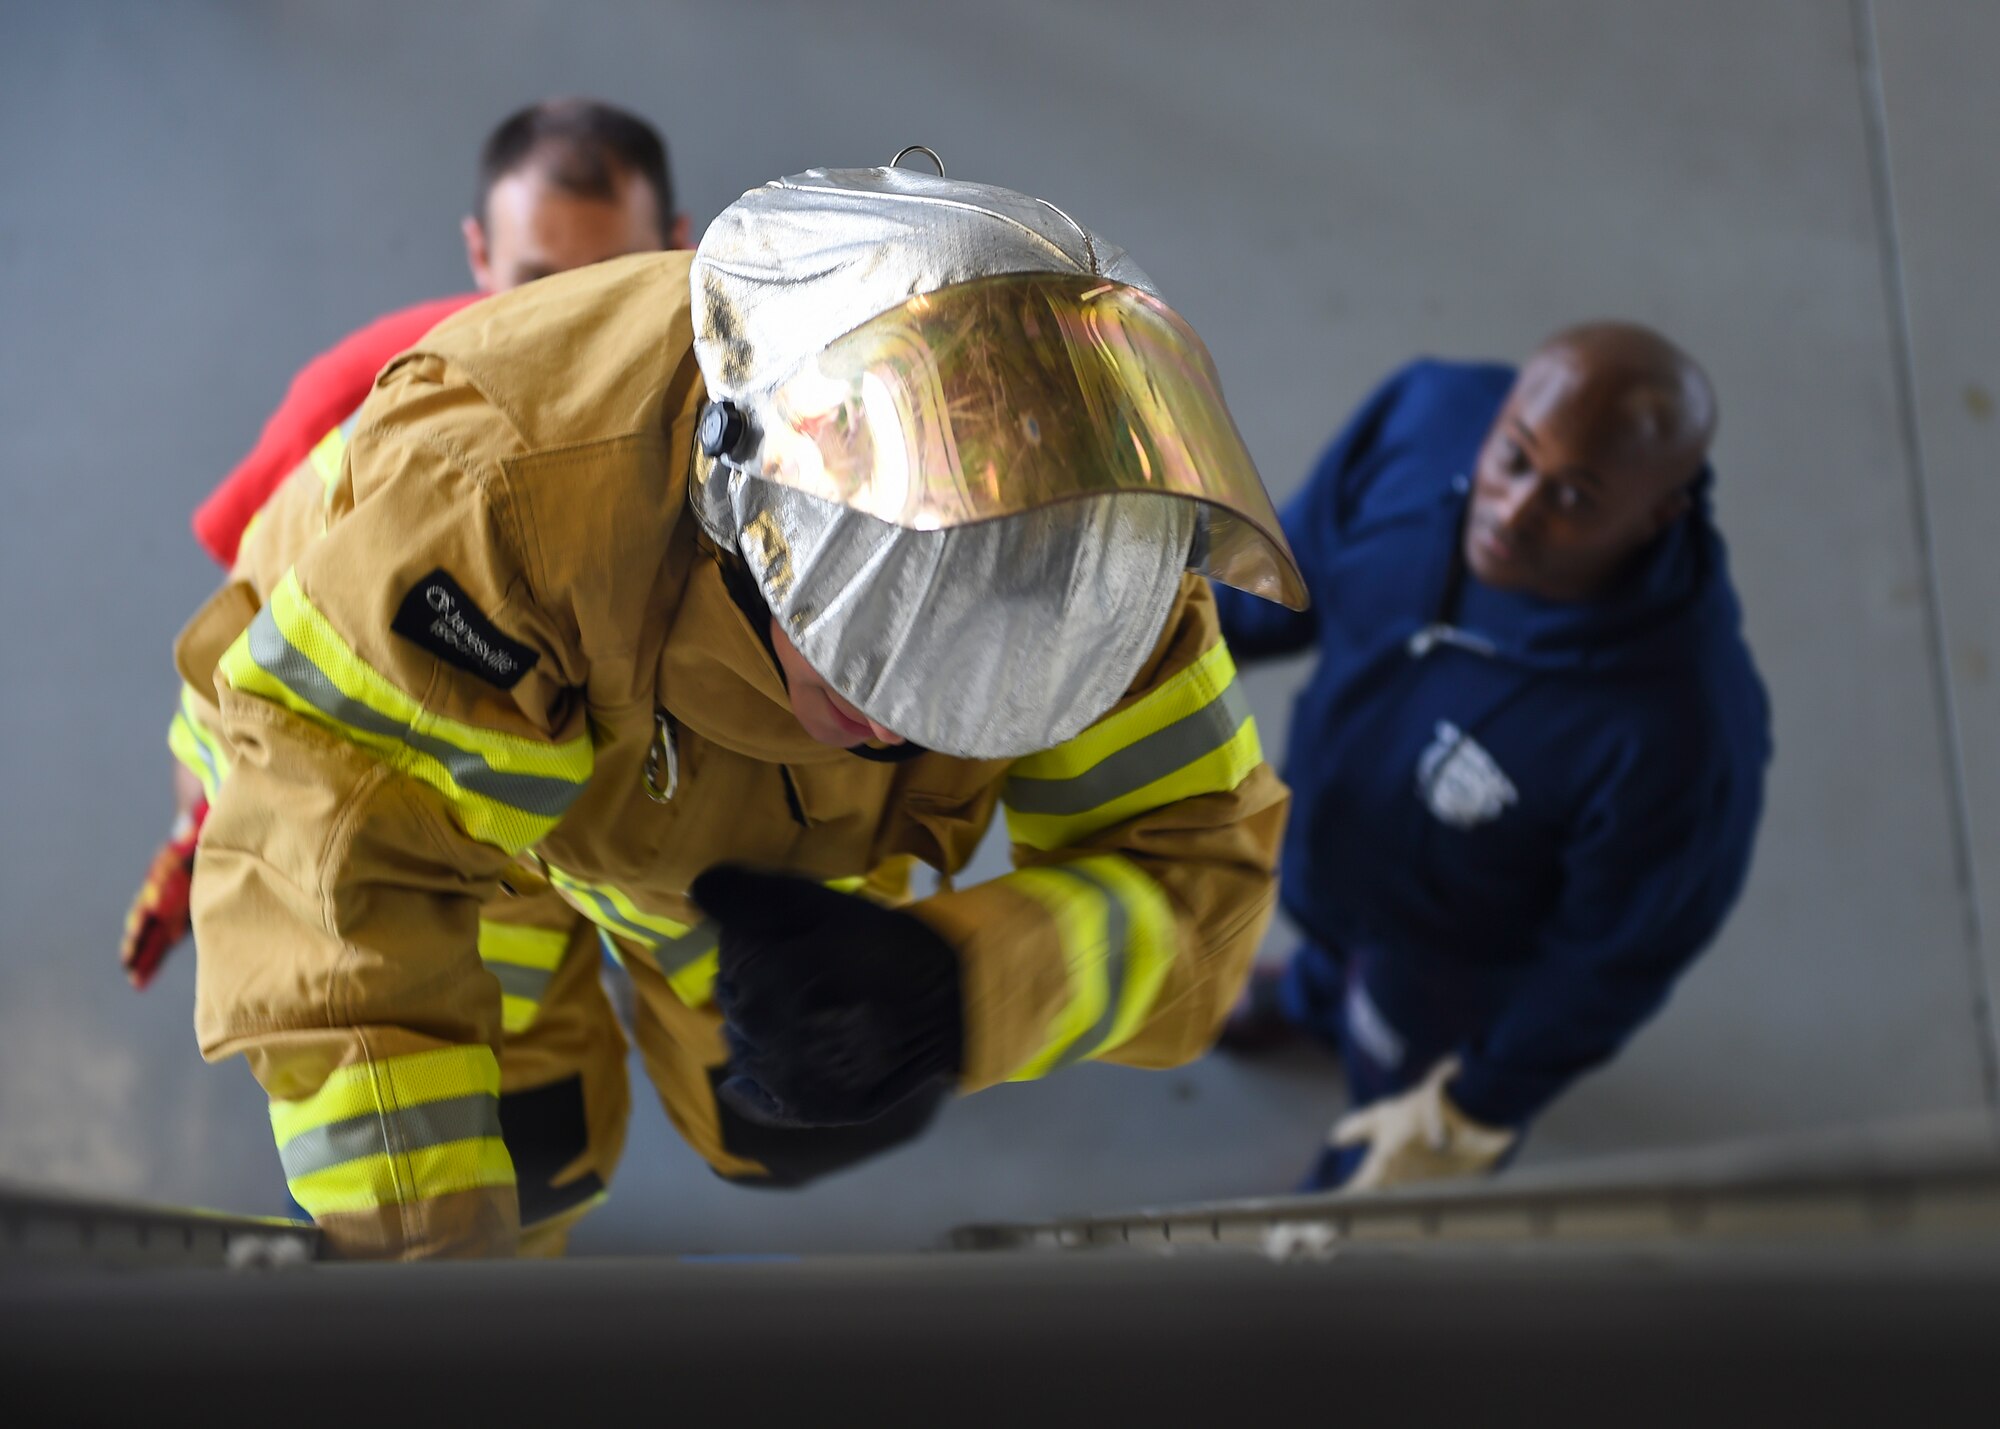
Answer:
(1942, 113)
(194, 197)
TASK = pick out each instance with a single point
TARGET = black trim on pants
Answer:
(545, 1130)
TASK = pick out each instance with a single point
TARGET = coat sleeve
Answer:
(1146, 852)
(401, 719)
(1656, 864)
(289, 522)
(1259, 629)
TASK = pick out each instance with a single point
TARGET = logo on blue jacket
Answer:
(1460, 782)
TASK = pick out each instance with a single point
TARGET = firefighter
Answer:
(562, 1049)
(562, 183)
(707, 586)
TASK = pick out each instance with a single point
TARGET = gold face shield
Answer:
(1006, 395)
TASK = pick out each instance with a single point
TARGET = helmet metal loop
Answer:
(909, 149)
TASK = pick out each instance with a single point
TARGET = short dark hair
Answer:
(578, 141)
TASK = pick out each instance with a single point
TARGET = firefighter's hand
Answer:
(158, 919)
(1419, 1136)
(835, 1008)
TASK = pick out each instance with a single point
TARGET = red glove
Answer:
(159, 916)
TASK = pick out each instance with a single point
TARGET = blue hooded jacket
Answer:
(1557, 796)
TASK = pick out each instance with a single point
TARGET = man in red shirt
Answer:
(562, 184)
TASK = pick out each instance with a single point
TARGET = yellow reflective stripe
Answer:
(401, 1129)
(1079, 913)
(1180, 694)
(1151, 939)
(192, 744)
(1193, 735)
(503, 789)
(614, 912)
(380, 1087)
(612, 909)
(421, 1175)
(1218, 771)
(302, 624)
(187, 747)
(1114, 926)
(521, 945)
(618, 914)
(888, 883)
(195, 717)
(695, 983)
(517, 1014)
(524, 958)
(692, 979)
(326, 457)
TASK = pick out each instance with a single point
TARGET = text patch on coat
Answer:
(438, 615)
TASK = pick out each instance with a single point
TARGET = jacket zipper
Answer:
(792, 796)
(1439, 633)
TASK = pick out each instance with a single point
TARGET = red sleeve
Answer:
(322, 395)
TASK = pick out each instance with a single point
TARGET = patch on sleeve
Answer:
(438, 615)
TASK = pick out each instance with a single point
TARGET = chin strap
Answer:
(888, 754)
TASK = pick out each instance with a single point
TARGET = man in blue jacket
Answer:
(1528, 769)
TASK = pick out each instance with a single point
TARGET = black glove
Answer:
(835, 1008)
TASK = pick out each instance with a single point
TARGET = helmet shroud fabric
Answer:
(956, 579)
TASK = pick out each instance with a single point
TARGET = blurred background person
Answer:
(562, 184)
(1529, 763)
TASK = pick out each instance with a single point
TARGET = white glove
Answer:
(1419, 1136)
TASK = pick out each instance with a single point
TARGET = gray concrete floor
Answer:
(196, 196)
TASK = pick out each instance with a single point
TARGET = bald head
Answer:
(1589, 459)
(1650, 401)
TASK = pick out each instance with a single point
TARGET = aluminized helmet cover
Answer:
(987, 641)
(973, 451)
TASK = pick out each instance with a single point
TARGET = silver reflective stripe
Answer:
(410, 1128)
(671, 952)
(518, 981)
(1138, 764)
(644, 937)
(1117, 928)
(531, 793)
(689, 948)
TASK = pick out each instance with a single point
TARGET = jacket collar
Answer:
(1647, 616)
(719, 679)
